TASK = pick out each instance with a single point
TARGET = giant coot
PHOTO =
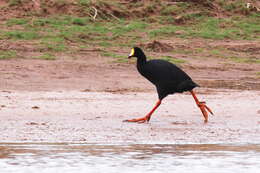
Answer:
(168, 79)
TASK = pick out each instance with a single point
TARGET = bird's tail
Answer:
(186, 85)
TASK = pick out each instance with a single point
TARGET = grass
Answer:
(47, 56)
(125, 28)
(7, 54)
(54, 44)
(16, 21)
(61, 2)
(52, 21)
(169, 59)
(163, 31)
(173, 60)
(80, 21)
(63, 33)
(118, 58)
(236, 29)
(14, 2)
(251, 60)
(229, 55)
(123, 58)
(235, 6)
(210, 28)
(71, 27)
(169, 10)
(79, 30)
(105, 44)
(184, 51)
(84, 2)
(22, 35)
(258, 74)
(216, 52)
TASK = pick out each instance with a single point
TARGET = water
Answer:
(93, 158)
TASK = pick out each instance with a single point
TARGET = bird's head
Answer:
(136, 52)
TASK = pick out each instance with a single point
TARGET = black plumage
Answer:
(168, 79)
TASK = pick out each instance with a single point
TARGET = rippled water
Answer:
(93, 158)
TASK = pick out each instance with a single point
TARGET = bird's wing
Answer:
(160, 71)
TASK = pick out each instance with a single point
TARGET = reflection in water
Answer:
(74, 158)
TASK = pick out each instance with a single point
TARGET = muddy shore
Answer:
(96, 117)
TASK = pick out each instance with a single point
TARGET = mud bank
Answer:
(96, 117)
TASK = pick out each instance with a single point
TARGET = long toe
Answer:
(205, 109)
(138, 120)
(210, 111)
(205, 114)
(203, 104)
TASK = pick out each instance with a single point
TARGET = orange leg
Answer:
(147, 117)
(203, 107)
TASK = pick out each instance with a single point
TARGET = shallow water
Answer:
(95, 158)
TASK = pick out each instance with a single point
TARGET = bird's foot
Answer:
(139, 120)
(204, 108)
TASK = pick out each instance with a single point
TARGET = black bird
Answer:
(168, 79)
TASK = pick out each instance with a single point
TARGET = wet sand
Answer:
(96, 117)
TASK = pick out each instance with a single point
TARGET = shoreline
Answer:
(96, 117)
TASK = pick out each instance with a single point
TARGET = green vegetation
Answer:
(163, 31)
(126, 25)
(118, 58)
(46, 56)
(73, 27)
(61, 2)
(184, 51)
(79, 21)
(22, 35)
(16, 21)
(84, 2)
(216, 52)
(252, 60)
(170, 10)
(15, 2)
(55, 44)
(173, 60)
(7, 54)
(258, 74)
(175, 9)
(105, 44)
(213, 28)
(237, 6)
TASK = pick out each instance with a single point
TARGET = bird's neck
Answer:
(141, 59)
